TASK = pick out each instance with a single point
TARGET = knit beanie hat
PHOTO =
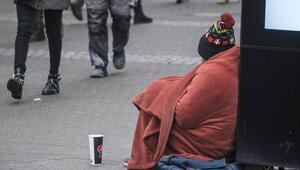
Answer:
(218, 38)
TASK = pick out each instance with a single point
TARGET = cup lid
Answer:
(96, 135)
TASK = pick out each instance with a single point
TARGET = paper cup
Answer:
(96, 147)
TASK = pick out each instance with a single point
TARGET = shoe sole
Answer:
(97, 76)
(15, 88)
(142, 22)
(119, 67)
(223, 2)
(50, 93)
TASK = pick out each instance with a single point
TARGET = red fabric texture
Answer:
(192, 115)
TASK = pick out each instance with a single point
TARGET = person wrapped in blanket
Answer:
(189, 122)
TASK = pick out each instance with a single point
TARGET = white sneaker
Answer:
(98, 73)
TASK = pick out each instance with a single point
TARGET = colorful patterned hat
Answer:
(218, 38)
(222, 33)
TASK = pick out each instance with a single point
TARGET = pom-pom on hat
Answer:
(228, 20)
(218, 38)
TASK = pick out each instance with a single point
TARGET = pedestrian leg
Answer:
(53, 30)
(26, 16)
(120, 28)
(98, 36)
(38, 27)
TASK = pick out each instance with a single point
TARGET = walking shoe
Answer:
(119, 60)
(142, 19)
(99, 72)
(222, 2)
(52, 86)
(76, 6)
(139, 15)
(15, 85)
(180, 1)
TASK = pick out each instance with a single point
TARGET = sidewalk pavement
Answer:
(47, 133)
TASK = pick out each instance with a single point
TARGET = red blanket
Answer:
(192, 116)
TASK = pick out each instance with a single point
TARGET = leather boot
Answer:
(52, 86)
(222, 2)
(180, 1)
(139, 16)
(15, 84)
(76, 6)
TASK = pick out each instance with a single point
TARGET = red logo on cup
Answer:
(99, 149)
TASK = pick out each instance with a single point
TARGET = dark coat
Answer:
(46, 4)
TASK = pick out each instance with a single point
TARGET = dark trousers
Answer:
(26, 18)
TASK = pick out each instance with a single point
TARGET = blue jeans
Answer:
(181, 163)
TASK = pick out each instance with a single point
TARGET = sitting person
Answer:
(192, 116)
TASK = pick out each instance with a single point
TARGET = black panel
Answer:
(269, 107)
(269, 92)
(253, 32)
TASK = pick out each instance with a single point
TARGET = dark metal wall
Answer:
(269, 94)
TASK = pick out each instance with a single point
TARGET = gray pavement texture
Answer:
(52, 133)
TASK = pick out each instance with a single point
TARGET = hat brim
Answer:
(207, 50)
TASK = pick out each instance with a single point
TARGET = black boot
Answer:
(180, 1)
(76, 6)
(52, 86)
(221, 2)
(139, 16)
(15, 84)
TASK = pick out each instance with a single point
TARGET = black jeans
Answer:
(26, 18)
